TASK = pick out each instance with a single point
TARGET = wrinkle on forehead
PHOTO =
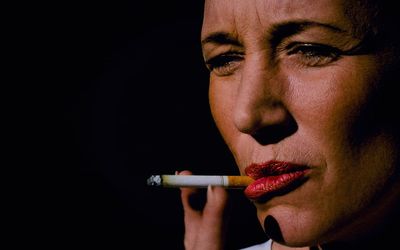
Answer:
(240, 16)
(220, 15)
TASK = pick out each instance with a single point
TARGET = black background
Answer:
(133, 89)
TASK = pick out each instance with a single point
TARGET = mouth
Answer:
(274, 178)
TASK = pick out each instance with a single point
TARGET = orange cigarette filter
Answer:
(239, 181)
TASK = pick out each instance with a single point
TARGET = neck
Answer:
(379, 231)
(384, 236)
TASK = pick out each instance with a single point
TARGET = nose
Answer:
(260, 109)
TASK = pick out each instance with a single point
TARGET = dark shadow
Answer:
(272, 229)
(272, 134)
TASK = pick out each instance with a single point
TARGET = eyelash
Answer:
(313, 54)
(224, 64)
(308, 54)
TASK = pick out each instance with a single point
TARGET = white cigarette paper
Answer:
(199, 181)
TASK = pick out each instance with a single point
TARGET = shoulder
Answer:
(263, 246)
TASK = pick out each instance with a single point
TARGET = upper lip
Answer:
(273, 167)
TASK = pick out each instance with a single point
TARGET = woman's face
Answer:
(294, 91)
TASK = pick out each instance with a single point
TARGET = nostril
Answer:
(273, 133)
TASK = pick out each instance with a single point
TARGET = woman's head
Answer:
(303, 86)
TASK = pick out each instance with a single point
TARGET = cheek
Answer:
(222, 96)
(335, 112)
(328, 102)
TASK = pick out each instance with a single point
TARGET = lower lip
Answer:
(271, 185)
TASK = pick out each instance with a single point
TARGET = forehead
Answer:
(241, 16)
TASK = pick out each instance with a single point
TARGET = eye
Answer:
(313, 55)
(224, 64)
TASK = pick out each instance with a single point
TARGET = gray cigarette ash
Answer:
(154, 180)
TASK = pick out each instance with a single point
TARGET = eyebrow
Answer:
(283, 30)
(278, 32)
(220, 38)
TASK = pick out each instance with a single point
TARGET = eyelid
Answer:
(330, 48)
(310, 54)
(224, 64)
(224, 54)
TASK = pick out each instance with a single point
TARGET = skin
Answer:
(205, 228)
(305, 95)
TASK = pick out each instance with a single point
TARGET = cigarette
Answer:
(199, 181)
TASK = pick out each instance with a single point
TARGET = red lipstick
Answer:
(273, 178)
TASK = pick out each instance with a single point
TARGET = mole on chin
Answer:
(272, 229)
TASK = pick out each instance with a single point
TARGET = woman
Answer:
(303, 94)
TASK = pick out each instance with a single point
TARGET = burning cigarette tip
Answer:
(154, 180)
